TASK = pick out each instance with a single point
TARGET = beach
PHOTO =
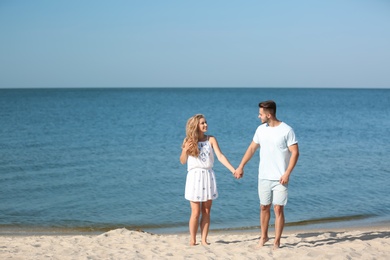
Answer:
(85, 159)
(357, 243)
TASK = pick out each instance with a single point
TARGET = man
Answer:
(278, 156)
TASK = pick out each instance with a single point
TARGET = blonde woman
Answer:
(201, 188)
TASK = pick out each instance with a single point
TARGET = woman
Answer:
(201, 187)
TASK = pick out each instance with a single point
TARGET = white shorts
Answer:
(272, 191)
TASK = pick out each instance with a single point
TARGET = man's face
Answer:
(263, 116)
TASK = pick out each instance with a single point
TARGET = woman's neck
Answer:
(202, 137)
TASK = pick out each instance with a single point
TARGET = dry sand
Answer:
(362, 243)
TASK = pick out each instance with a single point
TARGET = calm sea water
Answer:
(97, 159)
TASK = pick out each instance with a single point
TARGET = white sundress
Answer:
(201, 184)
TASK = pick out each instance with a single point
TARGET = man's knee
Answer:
(278, 209)
(265, 207)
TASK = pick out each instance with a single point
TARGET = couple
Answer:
(278, 156)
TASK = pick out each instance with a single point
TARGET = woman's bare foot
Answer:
(262, 241)
(205, 243)
(193, 243)
(276, 245)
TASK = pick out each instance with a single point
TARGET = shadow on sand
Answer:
(312, 239)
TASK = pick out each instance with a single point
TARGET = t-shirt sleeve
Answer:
(256, 137)
(291, 138)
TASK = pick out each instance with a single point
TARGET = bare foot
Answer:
(205, 243)
(276, 245)
(193, 243)
(262, 241)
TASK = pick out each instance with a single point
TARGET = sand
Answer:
(356, 243)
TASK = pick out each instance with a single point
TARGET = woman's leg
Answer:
(194, 221)
(205, 221)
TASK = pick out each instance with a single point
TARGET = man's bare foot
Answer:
(193, 243)
(205, 243)
(276, 245)
(262, 241)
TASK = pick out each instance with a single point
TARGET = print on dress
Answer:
(204, 151)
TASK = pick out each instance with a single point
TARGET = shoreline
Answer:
(352, 224)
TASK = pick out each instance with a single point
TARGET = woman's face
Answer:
(202, 126)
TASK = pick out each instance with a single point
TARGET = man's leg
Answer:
(279, 224)
(265, 214)
(280, 194)
(265, 197)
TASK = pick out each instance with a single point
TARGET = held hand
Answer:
(239, 173)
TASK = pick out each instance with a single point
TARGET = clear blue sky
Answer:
(163, 43)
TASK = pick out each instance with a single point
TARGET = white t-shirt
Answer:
(274, 153)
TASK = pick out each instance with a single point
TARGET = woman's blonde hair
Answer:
(192, 134)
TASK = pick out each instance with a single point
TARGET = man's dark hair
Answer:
(269, 106)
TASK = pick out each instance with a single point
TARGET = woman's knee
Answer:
(195, 209)
(206, 207)
(195, 213)
(206, 212)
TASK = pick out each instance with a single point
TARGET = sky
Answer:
(164, 43)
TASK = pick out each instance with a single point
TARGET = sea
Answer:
(93, 160)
